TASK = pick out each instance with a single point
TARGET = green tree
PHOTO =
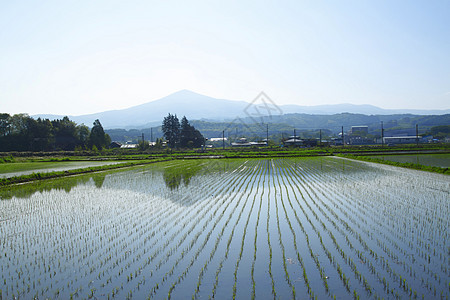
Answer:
(198, 139)
(18, 136)
(158, 143)
(83, 135)
(5, 124)
(186, 132)
(65, 134)
(19, 124)
(20, 132)
(40, 134)
(98, 137)
(143, 145)
(439, 132)
(189, 136)
(171, 130)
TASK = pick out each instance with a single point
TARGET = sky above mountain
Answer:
(75, 57)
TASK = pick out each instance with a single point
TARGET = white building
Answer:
(401, 139)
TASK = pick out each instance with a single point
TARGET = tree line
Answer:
(21, 132)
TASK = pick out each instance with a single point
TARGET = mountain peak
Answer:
(185, 93)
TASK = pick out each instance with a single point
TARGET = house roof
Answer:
(293, 141)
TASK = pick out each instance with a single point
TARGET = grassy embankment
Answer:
(362, 153)
(398, 164)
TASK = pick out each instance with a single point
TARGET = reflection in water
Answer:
(173, 175)
(172, 179)
(99, 180)
(64, 184)
(184, 172)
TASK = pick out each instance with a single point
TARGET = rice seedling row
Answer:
(317, 240)
(342, 250)
(258, 171)
(291, 228)
(183, 274)
(404, 284)
(194, 219)
(406, 254)
(359, 276)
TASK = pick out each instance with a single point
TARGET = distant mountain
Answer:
(364, 109)
(182, 103)
(196, 107)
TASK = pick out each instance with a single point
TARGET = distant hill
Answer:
(200, 107)
(400, 124)
(284, 125)
(365, 109)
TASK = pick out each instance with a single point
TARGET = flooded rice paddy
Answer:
(27, 168)
(260, 228)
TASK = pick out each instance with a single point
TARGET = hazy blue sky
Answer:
(78, 57)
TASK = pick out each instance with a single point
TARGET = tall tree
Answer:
(5, 124)
(186, 132)
(83, 135)
(65, 133)
(189, 136)
(98, 137)
(19, 123)
(171, 130)
(198, 139)
(40, 134)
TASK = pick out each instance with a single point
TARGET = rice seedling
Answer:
(342, 228)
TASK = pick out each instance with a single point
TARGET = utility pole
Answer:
(343, 140)
(382, 134)
(295, 136)
(142, 137)
(417, 134)
(151, 134)
(267, 135)
(320, 137)
(223, 139)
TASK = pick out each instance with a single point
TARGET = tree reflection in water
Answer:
(64, 183)
(174, 175)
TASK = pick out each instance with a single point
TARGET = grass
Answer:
(399, 164)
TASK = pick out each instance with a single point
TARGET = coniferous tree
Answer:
(189, 136)
(186, 133)
(171, 130)
(98, 137)
(198, 139)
